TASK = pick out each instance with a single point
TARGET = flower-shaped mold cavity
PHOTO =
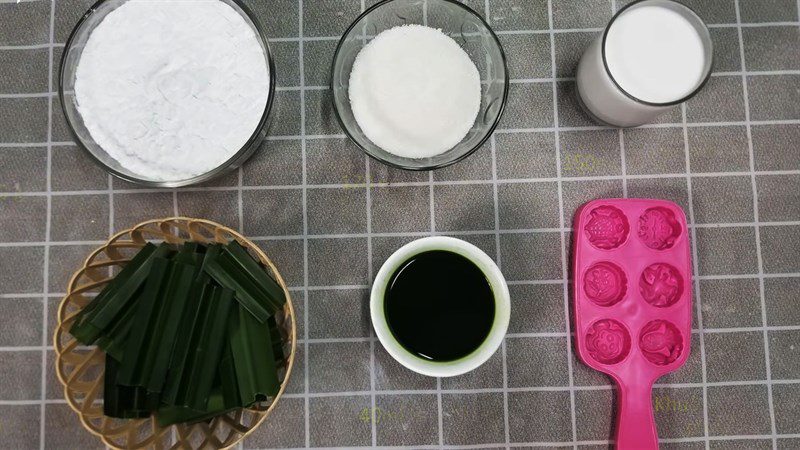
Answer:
(608, 341)
(661, 342)
(661, 285)
(607, 227)
(605, 283)
(658, 228)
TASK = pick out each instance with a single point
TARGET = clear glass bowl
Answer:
(66, 92)
(457, 21)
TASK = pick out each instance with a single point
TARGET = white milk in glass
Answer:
(653, 55)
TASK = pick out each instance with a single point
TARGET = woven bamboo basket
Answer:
(80, 369)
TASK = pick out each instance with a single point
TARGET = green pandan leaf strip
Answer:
(190, 330)
(227, 374)
(230, 276)
(110, 307)
(84, 331)
(191, 253)
(176, 296)
(151, 340)
(114, 341)
(277, 341)
(124, 402)
(274, 292)
(124, 291)
(134, 369)
(169, 415)
(206, 358)
(251, 346)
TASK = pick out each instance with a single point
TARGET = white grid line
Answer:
(497, 131)
(757, 228)
(696, 270)
(463, 391)
(307, 415)
(372, 338)
(409, 184)
(584, 388)
(498, 253)
(286, 88)
(561, 218)
(48, 226)
(517, 335)
(510, 283)
(499, 32)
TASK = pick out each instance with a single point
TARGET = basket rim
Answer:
(59, 328)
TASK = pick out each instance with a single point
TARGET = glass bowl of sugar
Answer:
(169, 93)
(419, 84)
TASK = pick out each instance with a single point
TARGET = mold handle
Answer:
(636, 426)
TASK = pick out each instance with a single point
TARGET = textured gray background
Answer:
(329, 217)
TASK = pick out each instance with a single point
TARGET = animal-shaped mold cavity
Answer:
(608, 341)
(661, 342)
(659, 228)
(605, 283)
(661, 285)
(606, 228)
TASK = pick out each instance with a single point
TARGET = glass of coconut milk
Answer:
(652, 56)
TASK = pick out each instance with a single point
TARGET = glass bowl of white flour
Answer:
(419, 84)
(168, 93)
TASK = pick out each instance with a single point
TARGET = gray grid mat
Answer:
(329, 217)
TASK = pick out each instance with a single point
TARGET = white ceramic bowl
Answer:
(501, 299)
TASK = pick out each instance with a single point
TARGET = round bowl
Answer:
(80, 369)
(502, 303)
(66, 86)
(457, 21)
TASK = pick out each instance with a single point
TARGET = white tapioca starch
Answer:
(173, 88)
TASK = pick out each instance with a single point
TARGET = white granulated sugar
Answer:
(172, 88)
(414, 91)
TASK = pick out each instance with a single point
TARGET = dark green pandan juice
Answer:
(439, 306)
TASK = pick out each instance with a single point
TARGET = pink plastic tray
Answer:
(633, 302)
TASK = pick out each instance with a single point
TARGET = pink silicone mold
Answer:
(633, 305)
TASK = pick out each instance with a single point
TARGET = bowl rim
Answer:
(443, 164)
(231, 163)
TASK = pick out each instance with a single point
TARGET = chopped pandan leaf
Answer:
(277, 341)
(133, 370)
(190, 253)
(228, 274)
(227, 375)
(190, 329)
(101, 312)
(254, 362)
(169, 415)
(114, 341)
(189, 247)
(81, 329)
(275, 294)
(195, 377)
(159, 312)
(211, 253)
(106, 311)
(212, 343)
(115, 336)
(177, 296)
(124, 402)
